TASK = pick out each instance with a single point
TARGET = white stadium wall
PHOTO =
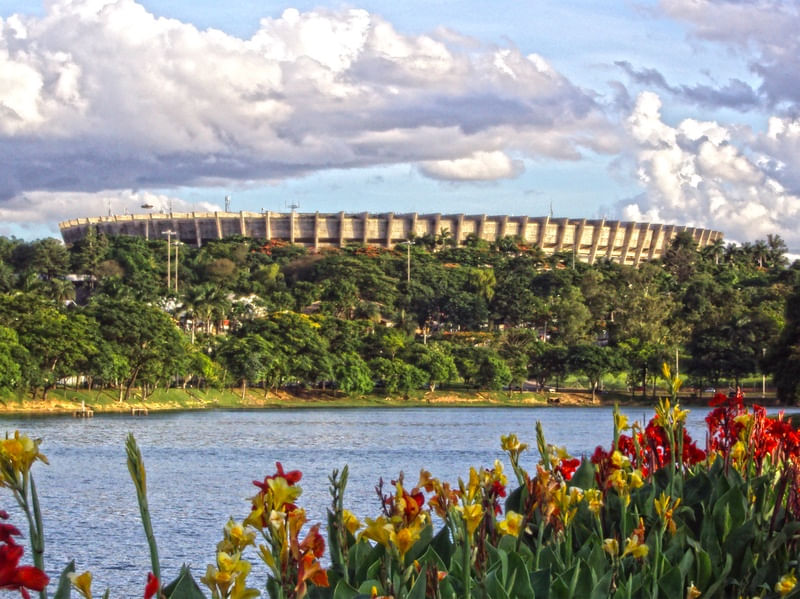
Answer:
(590, 240)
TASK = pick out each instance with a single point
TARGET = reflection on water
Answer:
(200, 468)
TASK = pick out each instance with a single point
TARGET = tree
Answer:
(783, 358)
(515, 347)
(594, 362)
(143, 335)
(436, 361)
(247, 358)
(10, 370)
(397, 375)
(352, 374)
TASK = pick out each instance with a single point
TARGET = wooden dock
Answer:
(138, 411)
(84, 412)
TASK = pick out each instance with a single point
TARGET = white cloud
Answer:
(101, 94)
(704, 174)
(480, 166)
(44, 206)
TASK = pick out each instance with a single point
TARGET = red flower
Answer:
(292, 477)
(7, 531)
(566, 468)
(19, 578)
(151, 588)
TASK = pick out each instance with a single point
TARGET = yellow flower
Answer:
(619, 460)
(692, 592)
(82, 583)
(636, 479)
(511, 444)
(17, 455)
(620, 421)
(282, 492)
(379, 530)
(619, 481)
(407, 536)
(594, 499)
(511, 525)
(611, 547)
(266, 556)
(635, 548)
(472, 516)
(665, 506)
(239, 536)
(351, 523)
(786, 584)
(738, 451)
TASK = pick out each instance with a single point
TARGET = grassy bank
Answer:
(66, 401)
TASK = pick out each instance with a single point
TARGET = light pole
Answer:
(763, 374)
(169, 233)
(177, 245)
(408, 245)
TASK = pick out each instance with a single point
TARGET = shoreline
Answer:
(65, 402)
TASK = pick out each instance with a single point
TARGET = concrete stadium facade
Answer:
(590, 240)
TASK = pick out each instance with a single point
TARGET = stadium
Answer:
(589, 240)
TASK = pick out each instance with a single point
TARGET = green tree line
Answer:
(245, 313)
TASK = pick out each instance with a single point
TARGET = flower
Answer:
(472, 516)
(635, 548)
(350, 521)
(511, 525)
(611, 547)
(665, 506)
(17, 455)
(594, 500)
(786, 584)
(511, 445)
(151, 588)
(19, 578)
(82, 583)
(7, 531)
(692, 592)
(309, 569)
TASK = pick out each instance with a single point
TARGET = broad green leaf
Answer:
(64, 587)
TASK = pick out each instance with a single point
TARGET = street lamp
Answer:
(177, 244)
(169, 233)
(408, 245)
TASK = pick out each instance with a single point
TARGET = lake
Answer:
(200, 468)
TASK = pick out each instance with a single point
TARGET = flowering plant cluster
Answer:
(651, 515)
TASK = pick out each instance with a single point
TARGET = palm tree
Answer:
(715, 250)
(760, 252)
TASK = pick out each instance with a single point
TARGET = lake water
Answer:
(200, 468)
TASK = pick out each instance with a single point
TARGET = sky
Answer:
(667, 111)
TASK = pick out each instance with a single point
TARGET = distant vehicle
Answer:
(147, 206)
(709, 390)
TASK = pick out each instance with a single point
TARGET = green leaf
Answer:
(418, 590)
(583, 476)
(344, 591)
(518, 573)
(602, 588)
(540, 581)
(366, 586)
(697, 490)
(513, 501)
(442, 545)
(738, 540)
(671, 583)
(183, 587)
(64, 586)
